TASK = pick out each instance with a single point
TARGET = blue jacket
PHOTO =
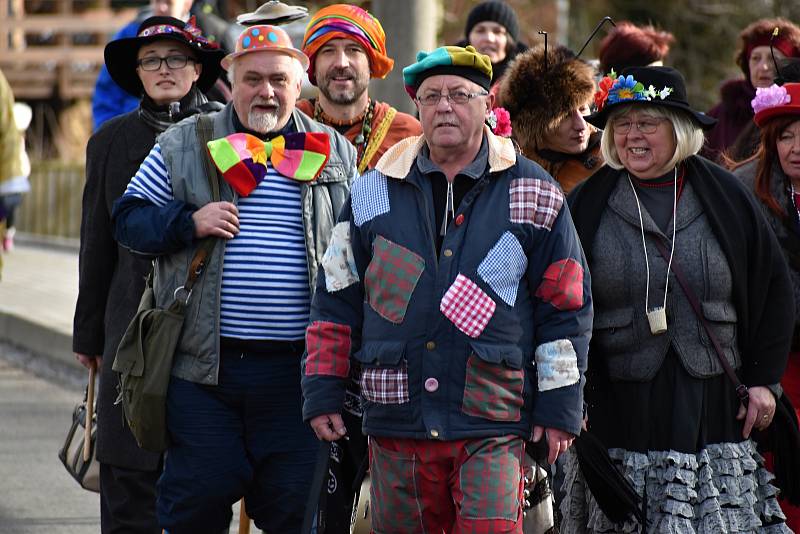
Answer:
(487, 338)
(109, 99)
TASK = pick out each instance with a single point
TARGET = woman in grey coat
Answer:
(167, 65)
(659, 399)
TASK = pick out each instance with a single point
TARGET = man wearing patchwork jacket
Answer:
(456, 290)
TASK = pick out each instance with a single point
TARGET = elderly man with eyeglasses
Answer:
(455, 290)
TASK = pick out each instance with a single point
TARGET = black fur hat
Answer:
(538, 94)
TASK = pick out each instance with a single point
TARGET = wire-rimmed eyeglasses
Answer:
(646, 126)
(457, 97)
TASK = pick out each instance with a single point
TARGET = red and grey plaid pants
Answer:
(464, 486)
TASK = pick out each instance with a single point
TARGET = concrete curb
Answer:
(37, 338)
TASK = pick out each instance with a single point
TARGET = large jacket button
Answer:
(430, 345)
(431, 385)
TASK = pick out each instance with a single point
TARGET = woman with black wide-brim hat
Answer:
(167, 65)
(676, 244)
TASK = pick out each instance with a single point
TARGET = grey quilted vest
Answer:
(197, 355)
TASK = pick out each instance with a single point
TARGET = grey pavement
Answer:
(40, 383)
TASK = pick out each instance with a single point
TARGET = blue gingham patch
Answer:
(369, 196)
(503, 267)
(556, 364)
(338, 263)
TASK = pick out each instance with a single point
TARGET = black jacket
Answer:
(762, 288)
(111, 279)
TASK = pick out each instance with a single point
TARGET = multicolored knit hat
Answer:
(345, 21)
(264, 38)
(465, 62)
(242, 158)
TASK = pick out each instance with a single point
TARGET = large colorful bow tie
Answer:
(242, 158)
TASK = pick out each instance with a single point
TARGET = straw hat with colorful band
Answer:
(121, 55)
(776, 101)
(242, 158)
(454, 60)
(345, 21)
(264, 38)
(655, 86)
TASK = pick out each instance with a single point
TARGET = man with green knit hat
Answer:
(455, 290)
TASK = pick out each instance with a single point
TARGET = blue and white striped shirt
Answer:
(265, 293)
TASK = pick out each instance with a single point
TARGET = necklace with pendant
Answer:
(361, 139)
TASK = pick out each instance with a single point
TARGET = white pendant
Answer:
(657, 317)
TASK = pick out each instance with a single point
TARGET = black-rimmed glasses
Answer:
(173, 62)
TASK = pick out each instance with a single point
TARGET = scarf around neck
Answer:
(159, 118)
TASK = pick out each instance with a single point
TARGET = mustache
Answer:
(449, 120)
(340, 72)
(264, 102)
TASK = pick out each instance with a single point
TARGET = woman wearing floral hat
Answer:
(691, 298)
(773, 175)
(735, 134)
(167, 66)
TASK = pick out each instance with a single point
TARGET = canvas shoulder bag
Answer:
(145, 353)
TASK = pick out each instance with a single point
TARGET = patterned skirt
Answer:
(677, 440)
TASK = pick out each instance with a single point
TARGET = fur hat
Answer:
(538, 97)
(629, 45)
(759, 33)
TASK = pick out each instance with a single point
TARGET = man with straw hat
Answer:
(346, 47)
(455, 284)
(233, 405)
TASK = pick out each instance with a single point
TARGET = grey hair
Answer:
(687, 134)
(298, 70)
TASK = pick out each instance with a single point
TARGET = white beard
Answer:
(262, 122)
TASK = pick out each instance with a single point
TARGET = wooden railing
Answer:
(58, 54)
(52, 208)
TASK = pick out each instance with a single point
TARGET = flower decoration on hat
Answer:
(769, 97)
(499, 120)
(615, 90)
(605, 86)
(190, 32)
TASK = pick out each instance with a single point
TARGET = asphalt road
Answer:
(37, 496)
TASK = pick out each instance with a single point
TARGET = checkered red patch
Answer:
(385, 385)
(467, 306)
(328, 346)
(562, 285)
(534, 201)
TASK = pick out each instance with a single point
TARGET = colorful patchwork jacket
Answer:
(487, 338)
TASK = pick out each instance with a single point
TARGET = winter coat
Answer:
(486, 338)
(734, 115)
(111, 278)
(787, 229)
